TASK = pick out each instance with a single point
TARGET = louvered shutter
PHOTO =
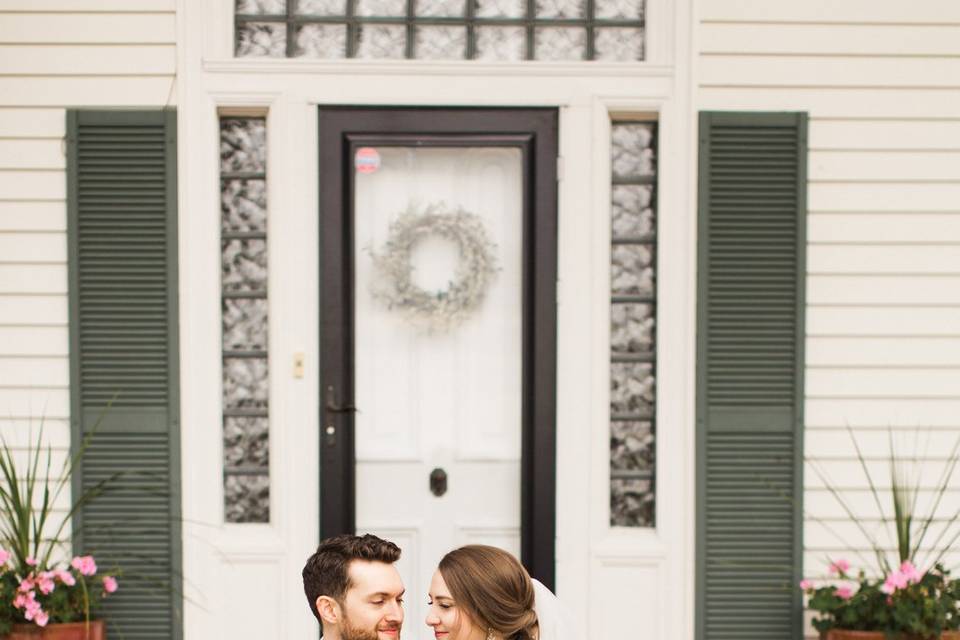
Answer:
(123, 351)
(752, 219)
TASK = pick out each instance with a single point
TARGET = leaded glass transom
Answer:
(559, 30)
(633, 324)
(243, 252)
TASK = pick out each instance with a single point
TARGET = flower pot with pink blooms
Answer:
(908, 594)
(44, 593)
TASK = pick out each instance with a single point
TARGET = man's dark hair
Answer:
(326, 571)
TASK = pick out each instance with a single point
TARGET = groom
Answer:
(353, 588)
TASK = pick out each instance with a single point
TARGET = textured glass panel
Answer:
(321, 7)
(631, 388)
(560, 43)
(245, 383)
(244, 324)
(560, 8)
(262, 39)
(632, 215)
(440, 7)
(631, 328)
(381, 7)
(441, 43)
(632, 153)
(632, 270)
(246, 442)
(501, 43)
(247, 498)
(244, 265)
(382, 41)
(243, 204)
(261, 7)
(618, 9)
(618, 44)
(631, 446)
(631, 502)
(243, 145)
(322, 41)
(501, 8)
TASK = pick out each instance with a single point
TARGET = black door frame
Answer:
(534, 132)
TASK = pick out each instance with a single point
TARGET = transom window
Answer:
(567, 30)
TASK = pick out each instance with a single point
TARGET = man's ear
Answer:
(329, 609)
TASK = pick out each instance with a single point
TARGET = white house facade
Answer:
(704, 242)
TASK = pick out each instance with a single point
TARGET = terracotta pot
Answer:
(841, 634)
(59, 631)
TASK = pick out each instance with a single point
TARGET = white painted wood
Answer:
(883, 259)
(821, 71)
(884, 290)
(883, 321)
(875, 443)
(112, 91)
(32, 122)
(883, 134)
(19, 402)
(40, 310)
(883, 352)
(849, 474)
(832, 102)
(917, 383)
(94, 60)
(882, 413)
(853, 11)
(28, 185)
(33, 279)
(20, 216)
(629, 586)
(33, 341)
(921, 228)
(821, 39)
(93, 28)
(33, 248)
(876, 166)
(36, 371)
(88, 6)
(32, 153)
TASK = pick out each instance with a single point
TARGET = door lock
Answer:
(438, 482)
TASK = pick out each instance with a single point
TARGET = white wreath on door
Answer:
(468, 285)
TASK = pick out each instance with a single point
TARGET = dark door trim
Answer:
(534, 131)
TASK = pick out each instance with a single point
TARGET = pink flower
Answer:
(31, 561)
(45, 582)
(25, 585)
(109, 584)
(839, 567)
(42, 618)
(806, 584)
(85, 565)
(910, 573)
(4, 556)
(844, 592)
(20, 601)
(65, 577)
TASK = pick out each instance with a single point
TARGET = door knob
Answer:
(438, 482)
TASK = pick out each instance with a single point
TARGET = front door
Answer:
(438, 337)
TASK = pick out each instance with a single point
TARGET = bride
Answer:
(483, 593)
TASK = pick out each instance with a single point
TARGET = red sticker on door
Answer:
(366, 160)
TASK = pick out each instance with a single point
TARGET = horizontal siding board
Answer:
(875, 166)
(83, 28)
(848, 474)
(33, 341)
(827, 71)
(33, 279)
(27, 185)
(835, 102)
(865, 383)
(884, 196)
(830, 39)
(819, 11)
(932, 228)
(112, 91)
(19, 402)
(35, 371)
(884, 134)
(884, 259)
(875, 443)
(883, 290)
(33, 216)
(125, 6)
(18, 122)
(883, 321)
(36, 153)
(891, 352)
(33, 248)
(41, 310)
(29, 59)
(882, 413)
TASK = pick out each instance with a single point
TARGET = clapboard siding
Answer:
(881, 84)
(56, 54)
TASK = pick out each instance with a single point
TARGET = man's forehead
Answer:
(371, 576)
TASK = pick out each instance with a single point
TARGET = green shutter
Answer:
(122, 213)
(752, 242)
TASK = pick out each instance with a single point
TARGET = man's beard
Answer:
(349, 632)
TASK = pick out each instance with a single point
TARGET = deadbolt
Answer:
(438, 482)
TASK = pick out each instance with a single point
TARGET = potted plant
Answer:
(912, 598)
(44, 594)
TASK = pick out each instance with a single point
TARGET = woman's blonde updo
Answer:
(493, 589)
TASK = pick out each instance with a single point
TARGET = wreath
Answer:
(466, 289)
